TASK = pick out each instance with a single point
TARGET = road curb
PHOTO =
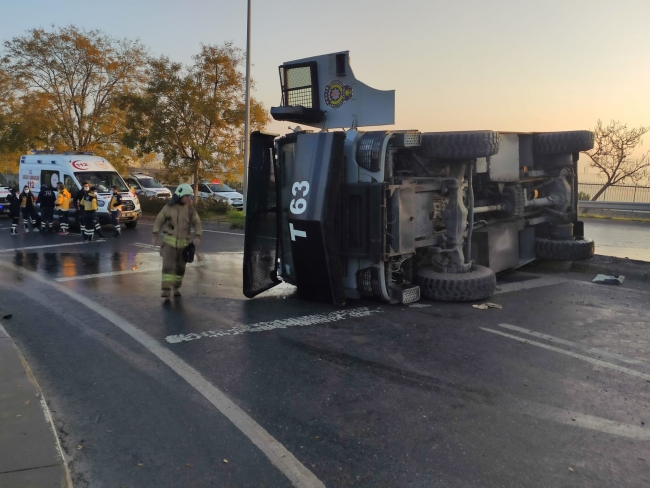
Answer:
(34, 474)
(630, 268)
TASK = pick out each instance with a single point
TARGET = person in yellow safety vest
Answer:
(63, 206)
(115, 209)
(90, 212)
(176, 220)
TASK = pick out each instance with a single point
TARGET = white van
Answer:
(74, 168)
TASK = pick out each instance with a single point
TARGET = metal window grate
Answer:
(369, 150)
(301, 96)
(368, 282)
(299, 85)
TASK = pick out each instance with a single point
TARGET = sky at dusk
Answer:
(515, 65)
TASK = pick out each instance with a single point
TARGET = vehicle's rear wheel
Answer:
(480, 282)
(131, 225)
(563, 142)
(576, 249)
(458, 145)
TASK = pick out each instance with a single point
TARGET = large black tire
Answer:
(458, 145)
(576, 249)
(477, 284)
(562, 142)
(131, 225)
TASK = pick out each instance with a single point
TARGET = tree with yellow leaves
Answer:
(194, 115)
(76, 78)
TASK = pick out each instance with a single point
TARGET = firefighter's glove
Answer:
(154, 240)
(197, 241)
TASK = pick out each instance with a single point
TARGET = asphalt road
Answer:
(551, 390)
(622, 239)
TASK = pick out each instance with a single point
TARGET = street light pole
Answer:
(248, 103)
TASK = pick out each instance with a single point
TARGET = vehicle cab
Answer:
(145, 185)
(4, 193)
(72, 169)
(221, 192)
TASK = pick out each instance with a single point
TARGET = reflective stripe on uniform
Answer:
(175, 242)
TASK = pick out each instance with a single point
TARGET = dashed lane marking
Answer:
(597, 362)
(593, 350)
(27, 248)
(527, 285)
(117, 273)
(299, 475)
(577, 419)
(277, 324)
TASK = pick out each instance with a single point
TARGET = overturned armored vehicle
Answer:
(395, 215)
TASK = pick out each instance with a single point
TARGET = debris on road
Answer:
(8, 316)
(485, 306)
(609, 279)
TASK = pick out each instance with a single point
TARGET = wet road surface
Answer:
(552, 390)
(622, 239)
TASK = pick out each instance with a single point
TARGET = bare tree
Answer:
(614, 145)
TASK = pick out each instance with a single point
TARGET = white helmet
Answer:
(183, 189)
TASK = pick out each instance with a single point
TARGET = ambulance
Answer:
(73, 169)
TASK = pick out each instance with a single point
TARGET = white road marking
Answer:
(116, 273)
(145, 246)
(527, 285)
(598, 362)
(206, 230)
(419, 305)
(276, 324)
(44, 247)
(222, 232)
(287, 463)
(576, 419)
(593, 350)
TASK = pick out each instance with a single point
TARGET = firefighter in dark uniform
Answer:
(27, 203)
(115, 208)
(14, 210)
(78, 203)
(47, 202)
(90, 213)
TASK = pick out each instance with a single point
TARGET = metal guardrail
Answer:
(629, 206)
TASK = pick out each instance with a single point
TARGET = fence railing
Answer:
(615, 193)
(620, 206)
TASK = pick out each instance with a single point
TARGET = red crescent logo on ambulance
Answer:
(80, 165)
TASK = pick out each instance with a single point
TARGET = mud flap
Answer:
(261, 235)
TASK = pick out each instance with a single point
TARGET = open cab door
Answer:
(261, 234)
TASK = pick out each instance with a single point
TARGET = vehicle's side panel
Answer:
(261, 240)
